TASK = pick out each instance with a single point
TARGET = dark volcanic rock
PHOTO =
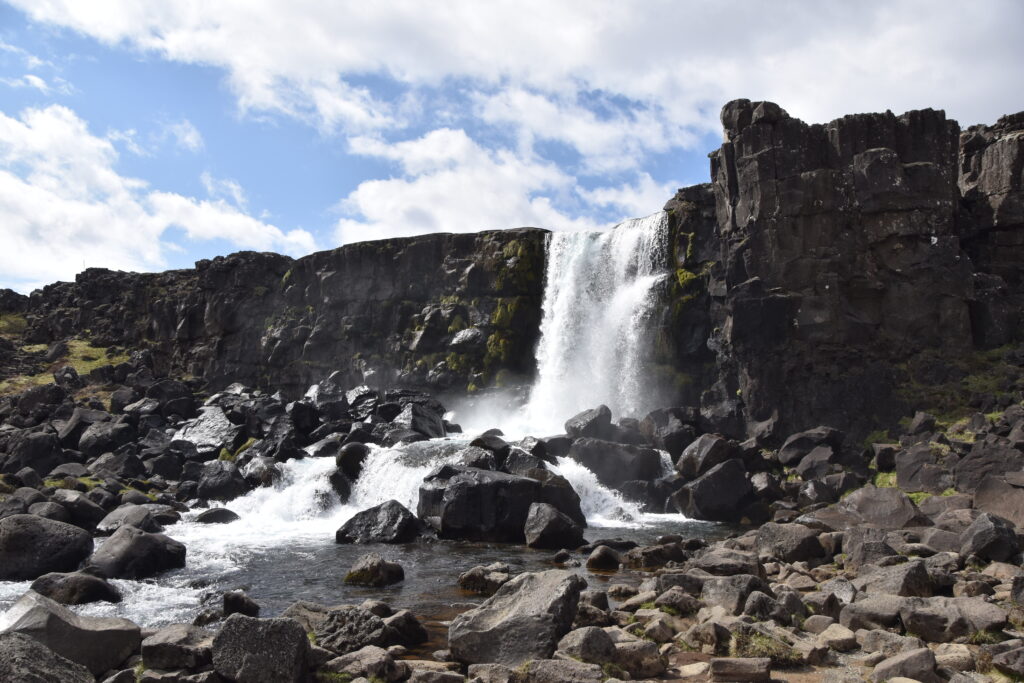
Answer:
(261, 650)
(615, 463)
(595, 423)
(717, 495)
(389, 522)
(546, 527)
(76, 588)
(23, 658)
(373, 570)
(135, 554)
(31, 546)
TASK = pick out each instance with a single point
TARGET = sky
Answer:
(145, 135)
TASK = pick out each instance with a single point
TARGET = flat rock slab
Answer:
(741, 669)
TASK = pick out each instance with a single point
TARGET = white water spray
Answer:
(598, 301)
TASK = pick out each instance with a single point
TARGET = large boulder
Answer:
(75, 588)
(990, 538)
(907, 579)
(39, 451)
(475, 504)
(595, 423)
(31, 546)
(524, 620)
(221, 481)
(261, 650)
(719, 495)
(24, 659)
(885, 508)
(420, 419)
(101, 437)
(707, 451)
(343, 629)
(788, 542)
(211, 432)
(941, 619)
(616, 463)
(1001, 497)
(800, 444)
(389, 522)
(128, 515)
(98, 644)
(991, 456)
(83, 511)
(178, 646)
(546, 527)
(132, 553)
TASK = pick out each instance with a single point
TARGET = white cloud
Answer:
(185, 135)
(64, 206)
(453, 184)
(643, 197)
(224, 189)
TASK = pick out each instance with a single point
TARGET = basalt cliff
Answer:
(840, 274)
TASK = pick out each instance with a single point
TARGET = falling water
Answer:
(598, 300)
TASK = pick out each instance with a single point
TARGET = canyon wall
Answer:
(842, 273)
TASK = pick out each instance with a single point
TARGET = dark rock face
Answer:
(389, 522)
(31, 546)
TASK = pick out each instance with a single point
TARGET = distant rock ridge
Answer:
(834, 273)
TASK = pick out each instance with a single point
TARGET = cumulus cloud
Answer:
(185, 135)
(450, 183)
(63, 206)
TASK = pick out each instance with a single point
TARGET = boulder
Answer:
(707, 451)
(75, 588)
(373, 570)
(485, 580)
(217, 516)
(722, 561)
(992, 455)
(405, 629)
(237, 602)
(120, 465)
(98, 644)
(918, 665)
(788, 542)
(885, 508)
(995, 495)
(613, 463)
(719, 495)
(873, 612)
(731, 592)
(128, 515)
(741, 669)
(389, 522)
(990, 538)
(369, 662)
(178, 646)
(102, 437)
(211, 432)
(132, 553)
(343, 629)
(546, 527)
(24, 659)
(590, 644)
(561, 671)
(604, 558)
(31, 546)
(595, 423)
(350, 459)
(221, 481)
(906, 580)
(84, 512)
(420, 419)
(942, 619)
(39, 451)
(524, 620)
(261, 650)
(799, 445)
(639, 658)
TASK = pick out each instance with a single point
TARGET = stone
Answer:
(524, 620)
(24, 659)
(546, 527)
(589, 644)
(639, 658)
(873, 612)
(405, 628)
(342, 629)
(211, 431)
(131, 553)
(75, 588)
(604, 558)
(217, 516)
(237, 602)
(740, 669)
(130, 515)
(704, 453)
(788, 542)
(40, 452)
(561, 671)
(485, 579)
(31, 546)
(615, 463)
(839, 638)
(84, 512)
(178, 646)
(907, 579)
(261, 650)
(350, 459)
(221, 480)
(990, 538)
(721, 561)
(389, 522)
(943, 619)
(887, 643)
(373, 570)
(718, 495)
(918, 665)
(371, 662)
(731, 592)
(98, 644)
(102, 437)
(595, 423)
(420, 419)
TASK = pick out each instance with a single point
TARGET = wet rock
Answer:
(31, 546)
(717, 495)
(131, 553)
(217, 516)
(604, 558)
(211, 432)
(595, 423)
(420, 419)
(546, 527)
(75, 588)
(221, 481)
(485, 580)
(128, 515)
(261, 650)
(350, 459)
(373, 570)
(524, 620)
(389, 522)
(84, 513)
(237, 602)
(614, 463)
(23, 658)
(178, 646)
(98, 644)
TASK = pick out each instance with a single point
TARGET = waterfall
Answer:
(598, 300)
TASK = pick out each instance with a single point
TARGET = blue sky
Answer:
(145, 135)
